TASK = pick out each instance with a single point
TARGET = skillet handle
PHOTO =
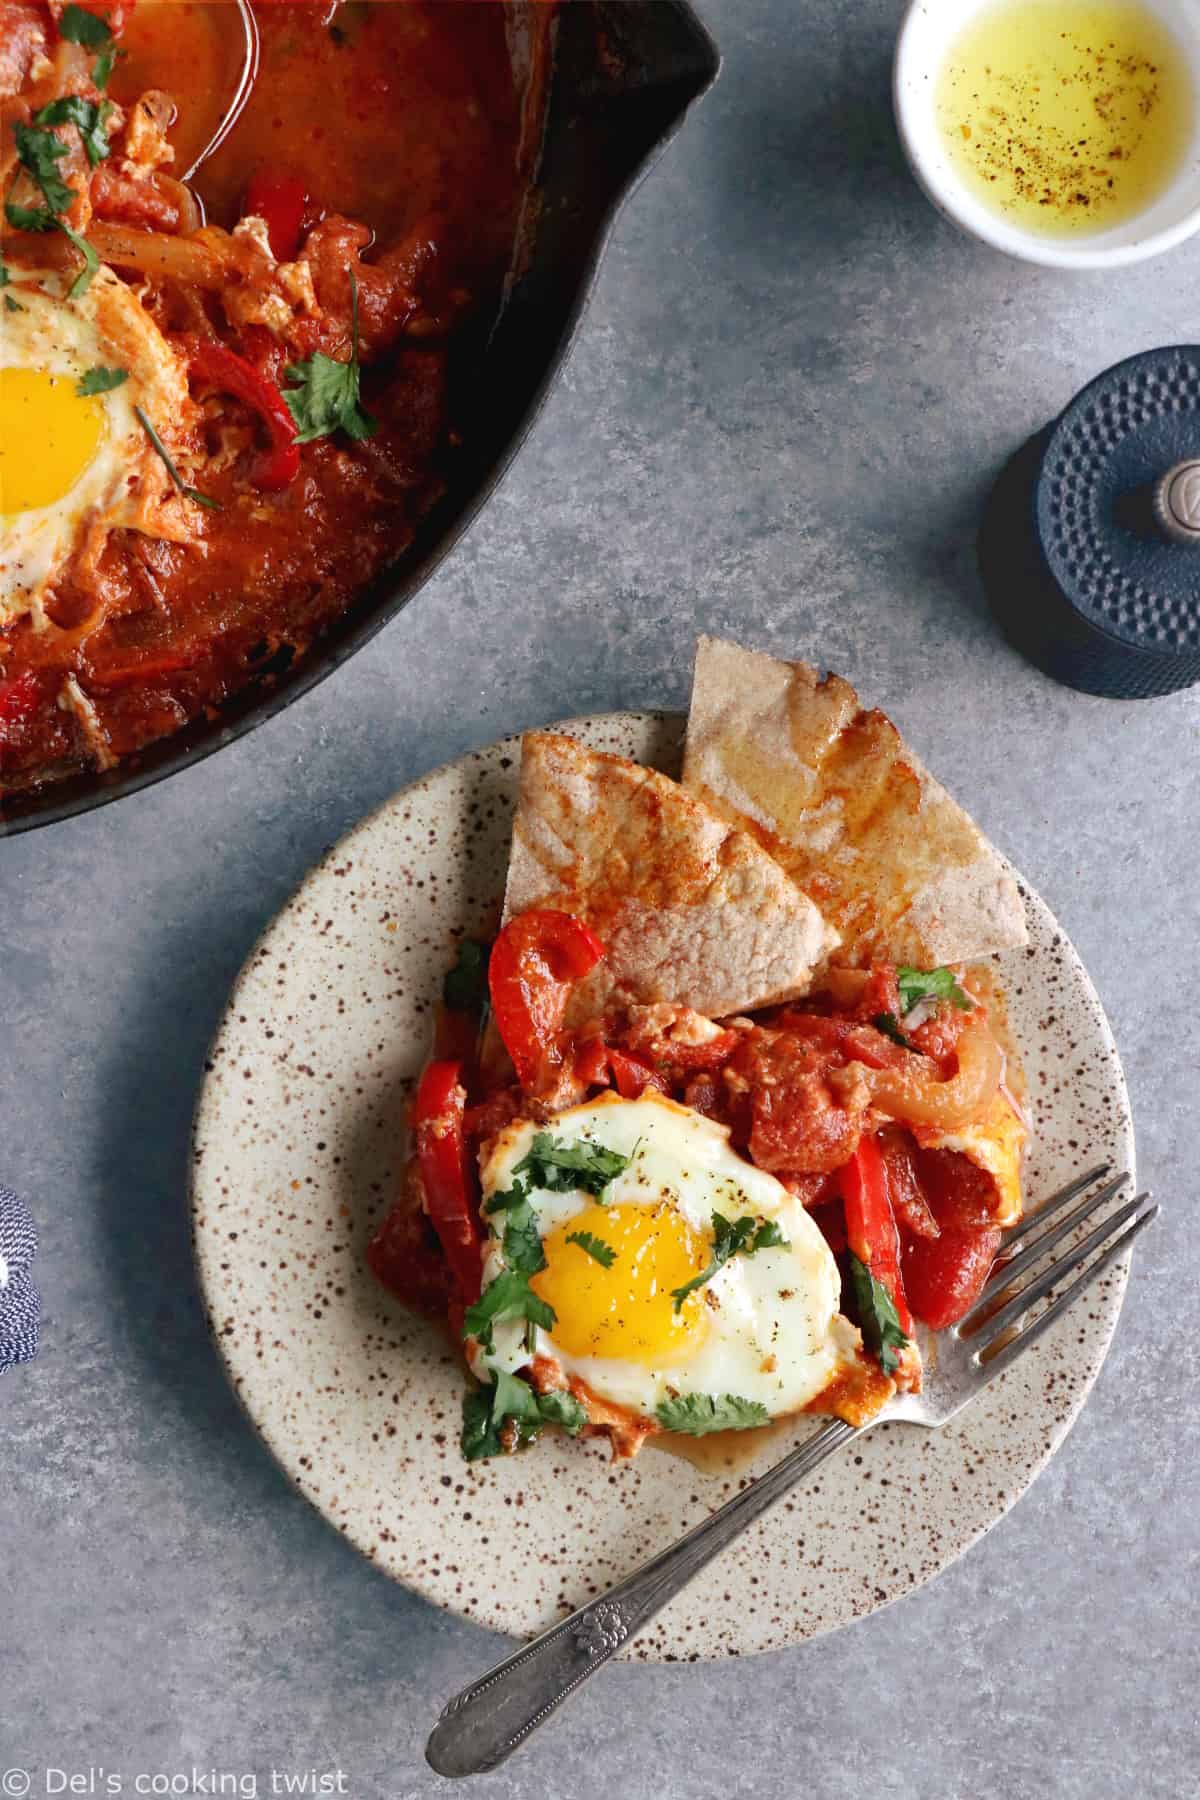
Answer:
(484, 1724)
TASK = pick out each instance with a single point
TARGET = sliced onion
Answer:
(913, 1094)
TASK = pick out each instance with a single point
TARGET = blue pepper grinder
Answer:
(1090, 544)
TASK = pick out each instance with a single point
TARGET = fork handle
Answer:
(484, 1724)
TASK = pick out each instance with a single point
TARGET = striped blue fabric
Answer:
(20, 1305)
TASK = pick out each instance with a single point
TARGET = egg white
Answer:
(125, 483)
(774, 1333)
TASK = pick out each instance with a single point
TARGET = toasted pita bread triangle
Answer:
(836, 796)
(690, 910)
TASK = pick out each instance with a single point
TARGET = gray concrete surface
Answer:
(789, 397)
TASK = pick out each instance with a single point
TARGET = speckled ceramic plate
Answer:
(298, 1146)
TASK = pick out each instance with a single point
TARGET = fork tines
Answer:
(998, 1310)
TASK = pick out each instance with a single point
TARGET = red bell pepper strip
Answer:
(535, 962)
(446, 1174)
(232, 374)
(592, 1062)
(633, 1076)
(871, 1225)
(402, 1257)
(281, 201)
(946, 1275)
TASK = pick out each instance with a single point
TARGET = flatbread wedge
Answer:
(690, 910)
(836, 796)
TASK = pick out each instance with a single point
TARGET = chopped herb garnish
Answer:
(11, 305)
(733, 1237)
(89, 116)
(487, 1410)
(512, 1196)
(596, 1248)
(100, 381)
(79, 26)
(508, 1297)
(877, 1316)
(522, 1240)
(563, 1167)
(479, 1436)
(326, 397)
(465, 987)
(698, 1414)
(560, 1408)
(29, 218)
(91, 262)
(189, 493)
(930, 984)
(38, 152)
(102, 68)
(5, 277)
(890, 1026)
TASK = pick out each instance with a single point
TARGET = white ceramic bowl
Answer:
(929, 28)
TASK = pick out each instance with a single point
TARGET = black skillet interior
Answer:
(625, 72)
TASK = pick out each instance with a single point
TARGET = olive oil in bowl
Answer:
(1066, 117)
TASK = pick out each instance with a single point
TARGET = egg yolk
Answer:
(48, 436)
(625, 1311)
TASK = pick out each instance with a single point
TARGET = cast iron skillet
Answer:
(625, 72)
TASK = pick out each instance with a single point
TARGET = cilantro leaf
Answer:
(91, 262)
(877, 1316)
(89, 116)
(29, 218)
(102, 68)
(514, 1399)
(698, 1414)
(733, 1237)
(508, 1297)
(560, 1408)
(79, 26)
(512, 1196)
(5, 277)
(522, 1240)
(465, 988)
(38, 151)
(930, 984)
(595, 1247)
(564, 1167)
(479, 1436)
(326, 398)
(511, 1400)
(890, 1026)
(11, 305)
(100, 381)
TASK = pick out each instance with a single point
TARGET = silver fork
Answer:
(484, 1724)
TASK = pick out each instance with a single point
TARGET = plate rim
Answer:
(276, 1443)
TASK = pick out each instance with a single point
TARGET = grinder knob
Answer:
(1177, 503)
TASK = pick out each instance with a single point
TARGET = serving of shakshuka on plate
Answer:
(641, 1091)
(730, 1100)
(227, 402)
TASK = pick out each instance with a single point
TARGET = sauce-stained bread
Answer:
(840, 801)
(689, 909)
